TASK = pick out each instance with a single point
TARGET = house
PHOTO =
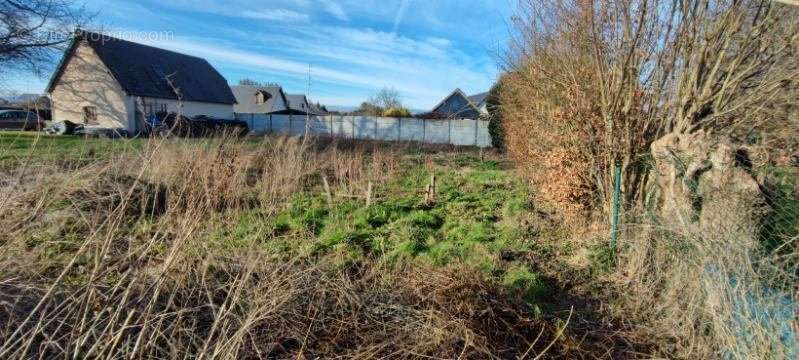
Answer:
(299, 105)
(270, 99)
(107, 82)
(252, 99)
(459, 105)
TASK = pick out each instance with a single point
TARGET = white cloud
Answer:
(439, 42)
(400, 14)
(294, 11)
(275, 15)
(265, 63)
(423, 70)
(335, 9)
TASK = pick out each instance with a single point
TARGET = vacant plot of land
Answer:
(277, 248)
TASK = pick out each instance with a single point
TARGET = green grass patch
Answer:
(19, 147)
(475, 219)
(527, 283)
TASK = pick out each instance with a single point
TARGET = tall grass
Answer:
(108, 257)
(711, 293)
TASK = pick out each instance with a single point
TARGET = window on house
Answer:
(261, 97)
(89, 115)
(154, 108)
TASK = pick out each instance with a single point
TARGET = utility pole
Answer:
(307, 97)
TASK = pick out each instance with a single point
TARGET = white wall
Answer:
(192, 108)
(463, 132)
(86, 81)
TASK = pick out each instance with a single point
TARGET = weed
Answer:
(527, 283)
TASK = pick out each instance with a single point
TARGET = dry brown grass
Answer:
(108, 258)
(708, 295)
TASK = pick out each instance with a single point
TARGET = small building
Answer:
(271, 100)
(460, 106)
(298, 104)
(108, 82)
(253, 99)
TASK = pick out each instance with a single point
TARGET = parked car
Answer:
(20, 120)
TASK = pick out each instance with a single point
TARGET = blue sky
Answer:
(422, 48)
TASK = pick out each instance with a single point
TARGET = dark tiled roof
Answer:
(245, 97)
(456, 105)
(142, 70)
(298, 103)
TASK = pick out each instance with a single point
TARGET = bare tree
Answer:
(387, 98)
(32, 32)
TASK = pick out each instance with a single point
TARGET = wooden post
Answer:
(328, 194)
(433, 187)
(369, 195)
(430, 191)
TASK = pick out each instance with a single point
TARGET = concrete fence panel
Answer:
(437, 131)
(463, 132)
(363, 127)
(483, 136)
(280, 124)
(387, 129)
(320, 125)
(411, 129)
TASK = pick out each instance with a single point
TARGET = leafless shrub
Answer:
(592, 84)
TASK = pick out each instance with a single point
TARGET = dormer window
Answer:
(261, 97)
